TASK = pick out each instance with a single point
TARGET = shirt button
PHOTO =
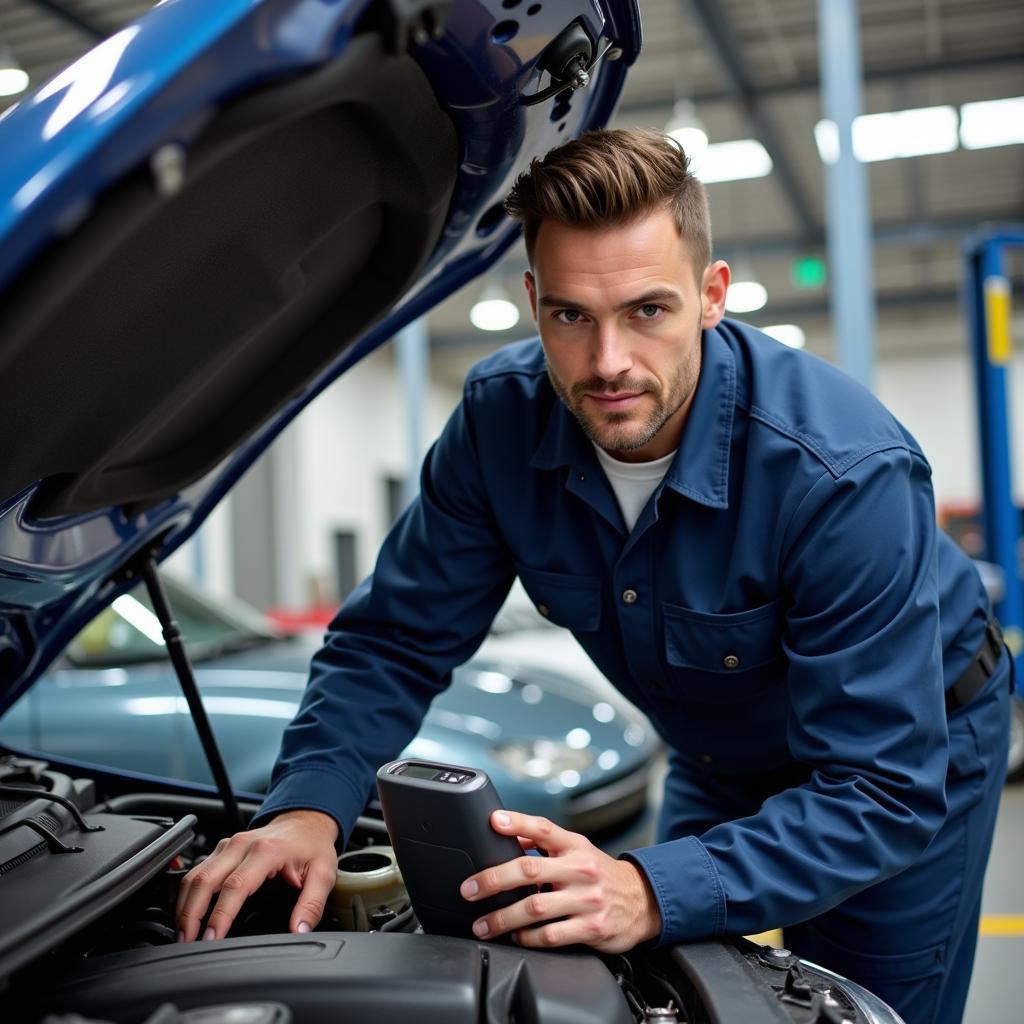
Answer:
(654, 685)
(629, 596)
(731, 661)
(705, 758)
(544, 610)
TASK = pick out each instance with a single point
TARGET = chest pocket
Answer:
(723, 656)
(565, 599)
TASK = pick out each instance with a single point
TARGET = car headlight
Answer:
(543, 760)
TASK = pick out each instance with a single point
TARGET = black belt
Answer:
(980, 670)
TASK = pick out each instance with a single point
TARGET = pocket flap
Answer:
(565, 599)
(722, 643)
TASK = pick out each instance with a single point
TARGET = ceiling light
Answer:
(693, 140)
(494, 311)
(905, 133)
(687, 129)
(732, 161)
(788, 334)
(894, 135)
(13, 78)
(992, 123)
(826, 137)
(745, 296)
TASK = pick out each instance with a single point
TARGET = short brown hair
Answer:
(609, 177)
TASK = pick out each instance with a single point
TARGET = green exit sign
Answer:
(809, 272)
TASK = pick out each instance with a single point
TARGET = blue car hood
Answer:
(208, 218)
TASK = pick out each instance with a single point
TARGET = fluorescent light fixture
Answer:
(732, 161)
(494, 311)
(693, 140)
(687, 129)
(826, 137)
(905, 133)
(992, 123)
(745, 296)
(788, 334)
(894, 135)
(12, 81)
(13, 77)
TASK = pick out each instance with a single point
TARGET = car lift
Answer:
(987, 298)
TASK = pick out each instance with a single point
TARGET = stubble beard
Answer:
(618, 431)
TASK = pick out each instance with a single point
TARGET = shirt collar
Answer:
(700, 470)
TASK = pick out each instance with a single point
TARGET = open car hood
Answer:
(207, 219)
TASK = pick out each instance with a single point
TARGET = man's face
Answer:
(620, 315)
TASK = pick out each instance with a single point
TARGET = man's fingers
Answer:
(544, 834)
(238, 885)
(298, 845)
(199, 885)
(535, 908)
(316, 887)
(556, 871)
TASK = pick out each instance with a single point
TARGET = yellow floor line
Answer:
(1007, 926)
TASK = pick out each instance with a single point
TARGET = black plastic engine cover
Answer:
(351, 977)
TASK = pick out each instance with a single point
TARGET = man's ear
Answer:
(714, 285)
(531, 292)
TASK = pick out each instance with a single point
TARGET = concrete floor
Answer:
(997, 987)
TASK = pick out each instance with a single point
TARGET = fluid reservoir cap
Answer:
(367, 880)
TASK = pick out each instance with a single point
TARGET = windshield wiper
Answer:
(205, 650)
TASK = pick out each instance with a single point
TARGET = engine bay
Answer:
(89, 883)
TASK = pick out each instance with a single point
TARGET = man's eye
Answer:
(649, 312)
(569, 316)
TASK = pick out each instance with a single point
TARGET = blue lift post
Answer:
(987, 295)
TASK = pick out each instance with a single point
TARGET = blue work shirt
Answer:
(784, 599)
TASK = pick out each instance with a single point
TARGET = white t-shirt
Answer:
(633, 482)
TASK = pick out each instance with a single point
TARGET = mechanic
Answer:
(744, 541)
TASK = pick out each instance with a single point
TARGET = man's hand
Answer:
(605, 903)
(297, 844)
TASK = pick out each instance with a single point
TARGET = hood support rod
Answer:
(186, 677)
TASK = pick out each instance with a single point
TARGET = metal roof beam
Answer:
(909, 234)
(812, 84)
(59, 10)
(740, 82)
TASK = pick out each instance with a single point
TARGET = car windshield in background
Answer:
(128, 631)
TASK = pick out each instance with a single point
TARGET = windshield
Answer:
(128, 631)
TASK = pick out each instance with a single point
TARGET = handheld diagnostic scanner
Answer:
(438, 818)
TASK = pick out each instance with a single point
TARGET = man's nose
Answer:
(611, 355)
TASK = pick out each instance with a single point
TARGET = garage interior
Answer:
(303, 526)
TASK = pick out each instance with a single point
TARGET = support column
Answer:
(848, 212)
(411, 346)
